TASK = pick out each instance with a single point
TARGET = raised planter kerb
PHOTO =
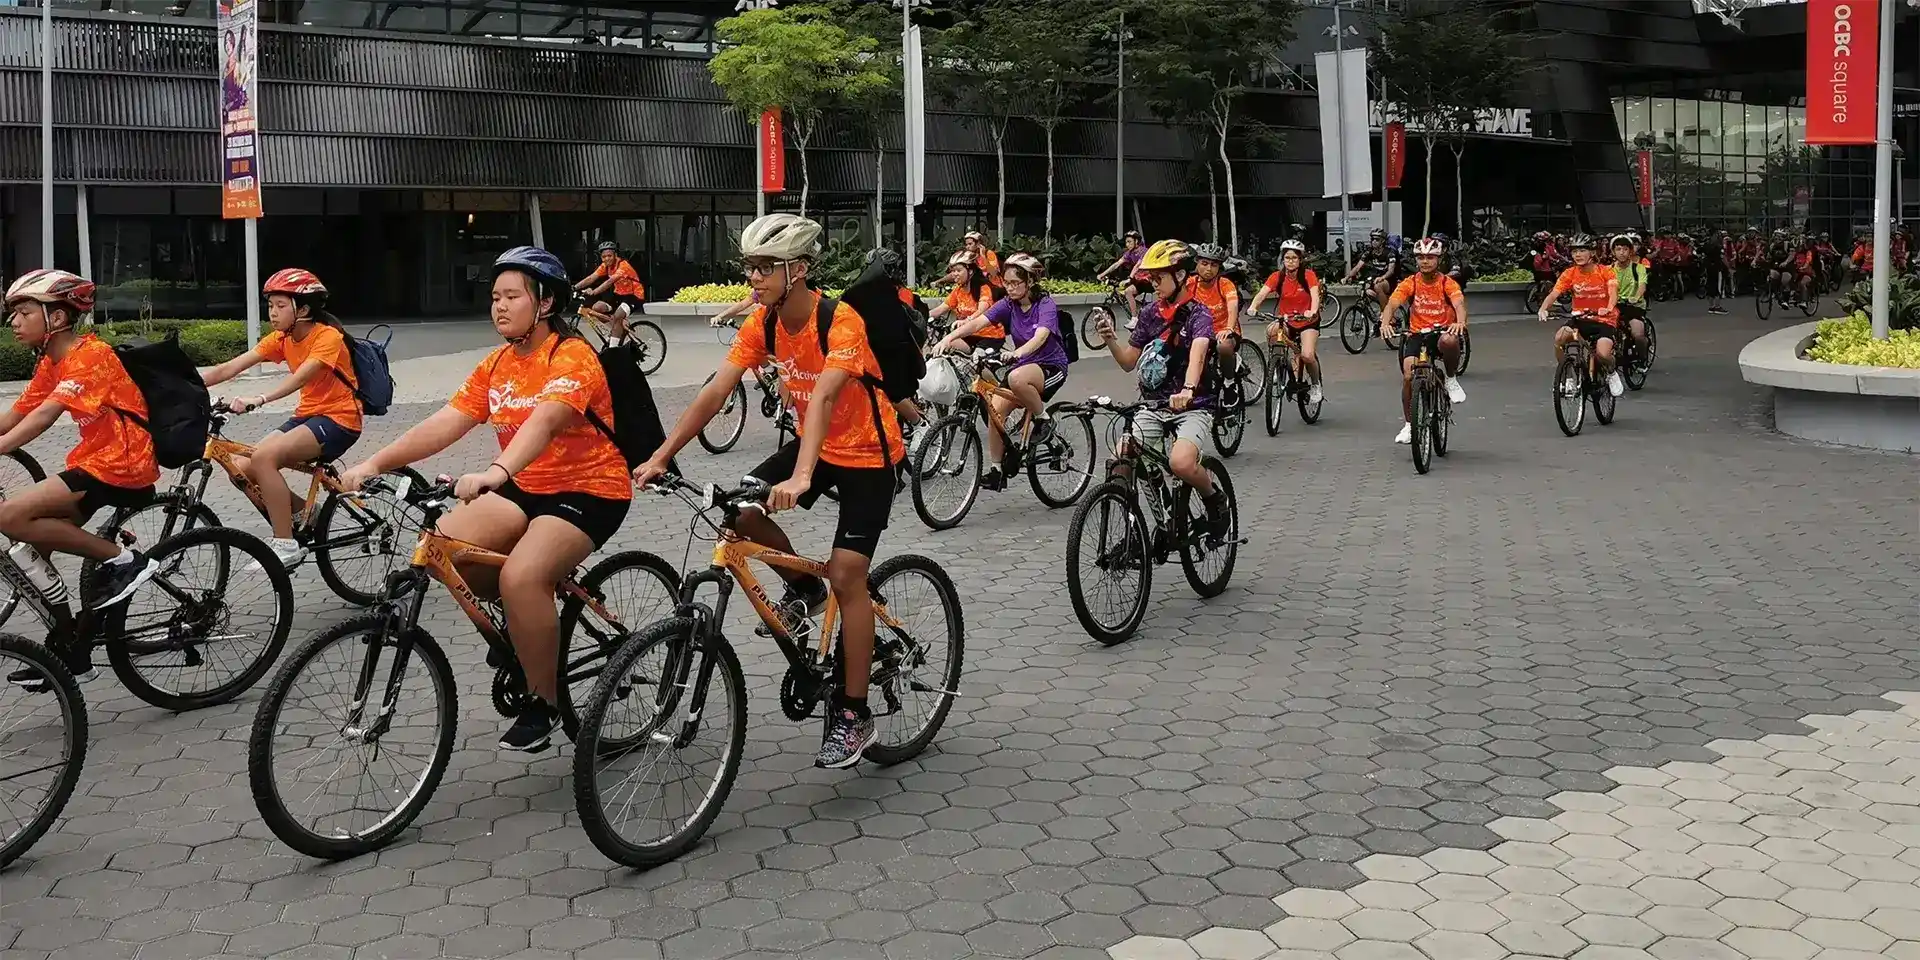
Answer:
(1874, 407)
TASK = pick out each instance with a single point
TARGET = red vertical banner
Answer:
(1643, 165)
(1843, 70)
(1396, 134)
(773, 152)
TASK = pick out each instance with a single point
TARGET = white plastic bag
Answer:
(941, 385)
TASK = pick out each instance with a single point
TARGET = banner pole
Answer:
(1883, 214)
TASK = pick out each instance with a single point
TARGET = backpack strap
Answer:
(823, 321)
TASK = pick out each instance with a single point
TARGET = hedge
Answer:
(1850, 340)
(206, 341)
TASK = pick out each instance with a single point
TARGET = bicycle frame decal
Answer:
(731, 553)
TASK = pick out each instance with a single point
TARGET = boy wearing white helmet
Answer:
(1439, 317)
(849, 443)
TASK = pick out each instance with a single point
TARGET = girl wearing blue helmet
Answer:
(558, 488)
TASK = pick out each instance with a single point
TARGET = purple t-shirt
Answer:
(1021, 324)
(1130, 259)
(1193, 321)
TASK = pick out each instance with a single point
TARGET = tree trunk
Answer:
(1459, 192)
(879, 194)
(1046, 232)
(1213, 205)
(1000, 163)
(1233, 207)
(802, 132)
(1426, 216)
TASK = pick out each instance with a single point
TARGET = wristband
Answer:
(503, 468)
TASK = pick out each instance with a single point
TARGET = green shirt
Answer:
(1633, 283)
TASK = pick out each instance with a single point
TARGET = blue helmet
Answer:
(546, 270)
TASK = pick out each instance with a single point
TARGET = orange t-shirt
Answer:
(1214, 296)
(1431, 303)
(963, 304)
(1589, 288)
(853, 438)
(626, 282)
(504, 389)
(989, 263)
(324, 395)
(94, 388)
(1294, 298)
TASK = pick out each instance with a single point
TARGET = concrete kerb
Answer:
(1874, 407)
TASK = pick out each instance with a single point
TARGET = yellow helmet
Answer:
(1167, 255)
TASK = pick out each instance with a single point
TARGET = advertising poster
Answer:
(239, 94)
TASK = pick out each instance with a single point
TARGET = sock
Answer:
(859, 707)
(126, 556)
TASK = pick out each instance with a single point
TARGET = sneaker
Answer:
(1717, 310)
(289, 552)
(1315, 395)
(1133, 323)
(1615, 384)
(848, 736)
(1219, 520)
(1456, 392)
(1405, 435)
(532, 731)
(79, 664)
(802, 601)
(1043, 432)
(117, 581)
(993, 480)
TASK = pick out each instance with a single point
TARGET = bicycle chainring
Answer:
(800, 692)
(510, 694)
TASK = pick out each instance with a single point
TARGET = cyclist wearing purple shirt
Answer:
(1038, 357)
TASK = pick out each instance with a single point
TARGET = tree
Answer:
(1199, 58)
(873, 113)
(796, 60)
(1448, 61)
(1045, 48)
(965, 66)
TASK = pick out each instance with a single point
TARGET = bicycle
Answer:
(1229, 426)
(728, 425)
(1059, 470)
(1574, 384)
(344, 530)
(37, 744)
(1432, 411)
(1281, 383)
(365, 716)
(651, 703)
(1127, 549)
(1636, 358)
(1358, 323)
(649, 341)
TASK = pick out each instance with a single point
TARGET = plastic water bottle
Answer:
(39, 572)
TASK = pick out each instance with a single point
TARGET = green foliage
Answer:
(1903, 302)
(1850, 340)
(206, 341)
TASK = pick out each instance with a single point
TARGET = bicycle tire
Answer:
(1810, 305)
(1190, 553)
(1329, 309)
(1536, 296)
(1253, 373)
(1763, 303)
(1422, 422)
(1442, 421)
(652, 341)
(952, 436)
(261, 762)
(1080, 448)
(581, 670)
(73, 719)
(1274, 393)
(1466, 351)
(1356, 325)
(1114, 495)
(588, 748)
(1570, 411)
(886, 754)
(121, 652)
(732, 417)
(325, 557)
(1309, 408)
(28, 465)
(1605, 405)
(117, 528)
(1229, 428)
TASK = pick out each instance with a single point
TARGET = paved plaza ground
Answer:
(1650, 691)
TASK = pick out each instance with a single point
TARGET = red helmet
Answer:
(295, 282)
(53, 286)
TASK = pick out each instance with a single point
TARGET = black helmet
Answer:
(888, 261)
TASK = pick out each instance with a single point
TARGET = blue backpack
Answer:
(371, 367)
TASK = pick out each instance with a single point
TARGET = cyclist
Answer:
(975, 245)
(1169, 351)
(1221, 298)
(558, 489)
(1038, 363)
(971, 297)
(1780, 256)
(327, 422)
(1631, 274)
(1130, 254)
(615, 282)
(1801, 265)
(1826, 261)
(1596, 293)
(1545, 258)
(1299, 291)
(849, 442)
(1379, 263)
(113, 464)
(1439, 317)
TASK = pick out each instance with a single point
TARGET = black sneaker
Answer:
(114, 582)
(532, 731)
(79, 664)
(1042, 434)
(1219, 519)
(848, 736)
(993, 480)
(802, 601)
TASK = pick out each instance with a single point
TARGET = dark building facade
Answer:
(405, 142)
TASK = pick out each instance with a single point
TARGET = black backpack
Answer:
(178, 405)
(636, 428)
(896, 333)
(1067, 340)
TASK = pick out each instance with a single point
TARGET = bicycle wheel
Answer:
(1063, 469)
(360, 539)
(1329, 309)
(1229, 428)
(1570, 395)
(144, 528)
(725, 333)
(724, 430)
(1109, 578)
(1603, 404)
(207, 626)
(1763, 301)
(43, 744)
(337, 769)
(1303, 398)
(1397, 332)
(1252, 371)
(629, 591)
(1442, 421)
(646, 782)
(1810, 305)
(18, 471)
(1536, 295)
(1207, 558)
(652, 342)
(1422, 427)
(1466, 351)
(1356, 327)
(1273, 396)
(1090, 324)
(946, 472)
(917, 655)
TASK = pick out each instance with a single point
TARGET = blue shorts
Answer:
(335, 440)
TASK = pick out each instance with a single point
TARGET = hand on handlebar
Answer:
(356, 476)
(244, 404)
(645, 474)
(473, 486)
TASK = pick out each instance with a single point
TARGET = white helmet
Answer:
(961, 259)
(1028, 264)
(1293, 245)
(781, 236)
(1430, 247)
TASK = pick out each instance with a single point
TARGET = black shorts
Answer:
(975, 343)
(96, 493)
(1630, 311)
(1593, 331)
(1411, 344)
(597, 517)
(865, 494)
(1053, 379)
(335, 440)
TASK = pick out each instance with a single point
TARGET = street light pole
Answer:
(1120, 138)
(46, 133)
(1346, 199)
(1883, 213)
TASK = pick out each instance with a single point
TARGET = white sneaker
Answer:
(1616, 385)
(1314, 394)
(1456, 392)
(1133, 323)
(289, 552)
(1405, 435)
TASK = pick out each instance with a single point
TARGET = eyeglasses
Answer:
(762, 268)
